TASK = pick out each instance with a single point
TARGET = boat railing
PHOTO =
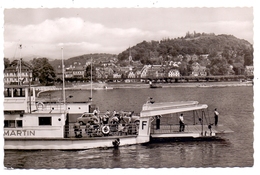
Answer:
(175, 128)
(101, 130)
(49, 107)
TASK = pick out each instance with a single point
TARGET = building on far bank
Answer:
(156, 71)
(173, 73)
(117, 75)
(249, 70)
(73, 71)
(15, 74)
(198, 70)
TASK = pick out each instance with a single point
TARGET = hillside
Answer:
(222, 50)
(82, 59)
(154, 52)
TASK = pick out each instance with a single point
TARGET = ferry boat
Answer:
(30, 124)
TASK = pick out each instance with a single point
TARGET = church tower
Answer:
(130, 56)
(130, 59)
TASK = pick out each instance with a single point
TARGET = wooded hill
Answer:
(234, 50)
(82, 59)
(225, 54)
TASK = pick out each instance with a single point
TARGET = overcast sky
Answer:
(43, 32)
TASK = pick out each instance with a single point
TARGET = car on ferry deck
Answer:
(129, 117)
(87, 118)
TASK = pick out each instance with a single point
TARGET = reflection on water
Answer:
(235, 105)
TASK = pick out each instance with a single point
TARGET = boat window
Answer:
(9, 123)
(19, 123)
(13, 112)
(19, 92)
(44, 120)
(7, 92)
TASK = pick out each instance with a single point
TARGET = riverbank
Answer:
(108, 86)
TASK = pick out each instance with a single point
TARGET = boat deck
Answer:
(190, 131)
(129, 130)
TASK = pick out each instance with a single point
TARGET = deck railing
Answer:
(174, 128)
(101, 130)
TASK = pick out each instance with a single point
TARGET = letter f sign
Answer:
(143, 124)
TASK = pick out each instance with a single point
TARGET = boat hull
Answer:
(183, 138)
(68, 143)
(182, 135)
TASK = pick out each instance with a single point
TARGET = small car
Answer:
(87, 118)
(129, 117)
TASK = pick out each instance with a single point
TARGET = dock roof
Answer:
(170, 109)
(149, 106)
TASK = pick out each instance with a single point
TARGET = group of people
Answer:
(113, 118)
(106, 123)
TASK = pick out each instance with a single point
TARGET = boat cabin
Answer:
(25, 116)
(19, 98)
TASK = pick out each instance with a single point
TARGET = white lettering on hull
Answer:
(19, 133)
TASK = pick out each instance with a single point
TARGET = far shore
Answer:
(109, 86)
(192, 84)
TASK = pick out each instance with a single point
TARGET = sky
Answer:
(43, 32)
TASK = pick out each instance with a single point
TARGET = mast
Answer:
(63, 79)
(20, 66)
(30, 101)
(91, 80)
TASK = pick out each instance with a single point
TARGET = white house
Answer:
(173, 73)
(249, 70)
(13, 75)
(144, 71)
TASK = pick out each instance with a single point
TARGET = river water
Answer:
(235, 105)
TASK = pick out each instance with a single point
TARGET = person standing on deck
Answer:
(182, 125)
(77, 130)
(216, 116)
(95, 112)
(106, 117)
(114, 113)
(158, 121)
(108, 113)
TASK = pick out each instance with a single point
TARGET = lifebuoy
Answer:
(105, 129)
